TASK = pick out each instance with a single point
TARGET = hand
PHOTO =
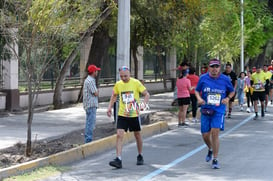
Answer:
(201, 101)
(109, 113)
(143, 106)
(226, 100)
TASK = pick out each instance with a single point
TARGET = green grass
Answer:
(37, 174)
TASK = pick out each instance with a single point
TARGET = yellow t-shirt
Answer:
(259, 80)
(268, 75)
(129, 97)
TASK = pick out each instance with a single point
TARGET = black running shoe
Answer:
(262, 114)
(116, 163)
(256, 117)
(140, 160)
(229, 115)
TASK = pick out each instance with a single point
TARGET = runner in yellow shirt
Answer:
(268, 76)
(128, 90)
(258, 81)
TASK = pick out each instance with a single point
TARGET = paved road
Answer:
(246, 149)
(55, 123)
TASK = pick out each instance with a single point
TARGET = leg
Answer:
(184, 112)
(230, 107)
(90, 124)
(138, 141)
(120, 135)
(194, 105)
(266, 101)
(270, 94)
(180, 114)
(256, 106)
(248, 99)
(215, 141)
(207, 139)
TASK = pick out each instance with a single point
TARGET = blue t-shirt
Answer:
(213, 90)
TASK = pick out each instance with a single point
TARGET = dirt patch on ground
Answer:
(15, 155)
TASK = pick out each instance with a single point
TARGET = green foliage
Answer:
(258, 26)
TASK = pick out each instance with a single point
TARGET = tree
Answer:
(57, 98)
(39, 24)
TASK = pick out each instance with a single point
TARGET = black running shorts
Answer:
(258, 95)
(131, 123)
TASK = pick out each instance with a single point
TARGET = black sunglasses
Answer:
(212, 66)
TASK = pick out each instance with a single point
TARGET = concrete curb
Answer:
(81, 152)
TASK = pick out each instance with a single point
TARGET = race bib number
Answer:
(214, 99)
(257, 86)
(127, 97)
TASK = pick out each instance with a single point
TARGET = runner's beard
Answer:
(215, 73)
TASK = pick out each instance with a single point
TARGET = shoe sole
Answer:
(116, 166)
(215, 167)
(208, 159)
(140, 163)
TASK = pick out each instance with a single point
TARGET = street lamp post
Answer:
(242, 35)
(123, 37)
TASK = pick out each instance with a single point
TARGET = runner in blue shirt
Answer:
(211, 95)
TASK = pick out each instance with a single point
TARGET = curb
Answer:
(81, 152)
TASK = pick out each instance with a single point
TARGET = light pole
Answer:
(242, 35)
(123, 37)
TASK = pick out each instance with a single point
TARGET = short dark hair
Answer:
(228, 64)
(191, 70)
(184, 63)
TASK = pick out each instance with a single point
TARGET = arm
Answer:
(96, 93)
(199, 98)
(226, 100)
(146, 95)
(235, 84)
(111, 103)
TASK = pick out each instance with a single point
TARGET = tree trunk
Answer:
(134, 52)
(99, 48)
(162, 67)
(57, 98)
(98, 52)
(28, 150)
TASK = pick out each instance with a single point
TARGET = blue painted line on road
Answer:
(191, 153)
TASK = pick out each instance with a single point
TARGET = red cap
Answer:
(92, 68)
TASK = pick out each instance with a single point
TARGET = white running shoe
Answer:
(248, 110)
(241, 109)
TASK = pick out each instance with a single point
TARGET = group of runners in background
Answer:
(255, 84)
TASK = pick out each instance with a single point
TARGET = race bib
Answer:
(257, 86)
(214, 99)
(127, 97)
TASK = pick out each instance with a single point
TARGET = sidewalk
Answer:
(55, 123)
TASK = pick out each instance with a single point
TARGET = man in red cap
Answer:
(90, 101)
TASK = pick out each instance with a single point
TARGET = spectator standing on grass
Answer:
(128, 90)
(194, 80)
(214, 87)
(90, 101)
